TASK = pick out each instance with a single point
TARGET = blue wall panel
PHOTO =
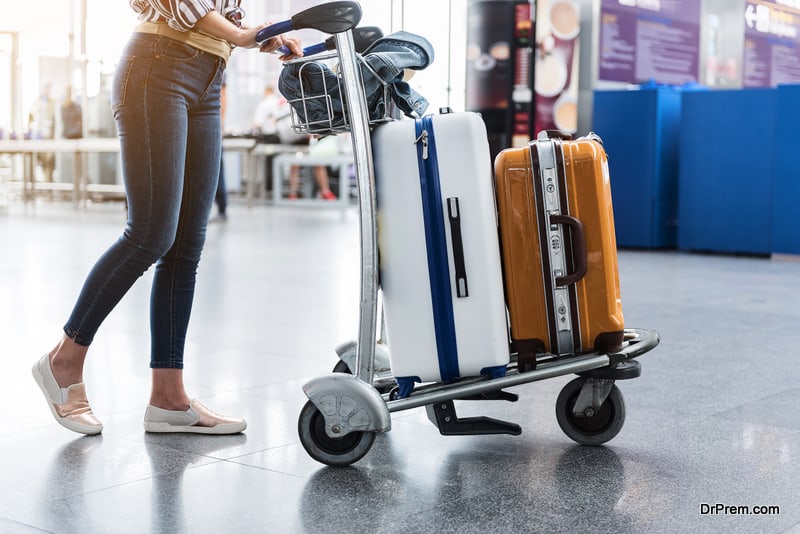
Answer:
(726, 167)
(786, 181)
(639, 129)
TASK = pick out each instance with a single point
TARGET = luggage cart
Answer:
(348, 407)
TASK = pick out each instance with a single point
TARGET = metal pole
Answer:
(449, 53)
(17, 122)
(83, 66)
(353, 87)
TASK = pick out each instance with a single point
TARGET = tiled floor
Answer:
(712, 420)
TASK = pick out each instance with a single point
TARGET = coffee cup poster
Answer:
(556, 66)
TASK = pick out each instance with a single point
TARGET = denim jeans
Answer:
(166, 102)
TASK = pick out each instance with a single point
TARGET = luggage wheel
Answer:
(333, 451)
(337, 425)
(591, 411)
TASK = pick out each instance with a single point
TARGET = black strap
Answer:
(454, 214)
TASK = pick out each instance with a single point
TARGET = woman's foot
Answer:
(197, 420)
(69, 405)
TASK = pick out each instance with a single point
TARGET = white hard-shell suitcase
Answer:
(440, 269)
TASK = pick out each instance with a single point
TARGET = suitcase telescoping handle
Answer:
(578, 249)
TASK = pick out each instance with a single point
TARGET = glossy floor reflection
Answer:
(712, 420)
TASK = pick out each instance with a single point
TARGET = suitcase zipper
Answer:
(423, 137)
(436, 245)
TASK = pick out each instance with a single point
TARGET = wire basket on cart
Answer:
(317, 97)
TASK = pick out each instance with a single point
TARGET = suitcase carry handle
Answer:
(578, 249)
(554, 134)
(454, 215)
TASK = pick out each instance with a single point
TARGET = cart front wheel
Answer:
(330, 451)
(601, 427)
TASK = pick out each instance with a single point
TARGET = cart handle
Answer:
(331, 17)
(362, 35)
(309, 50)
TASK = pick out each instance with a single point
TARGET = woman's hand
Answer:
(218, 26)
(273, 44)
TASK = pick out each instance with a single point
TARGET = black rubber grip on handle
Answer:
(330, 17)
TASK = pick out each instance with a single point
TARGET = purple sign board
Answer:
(642, 40)
(771, 43)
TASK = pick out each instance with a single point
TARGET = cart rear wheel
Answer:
(601, 427)
(330, 451)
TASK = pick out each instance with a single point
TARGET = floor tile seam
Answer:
(273, 471)
(760, 424)
(732, 415)
(753, 401)
(138, 480)
(230, 458)
(173, 448)
(26, 525)
(681, 418)
(794, 529)
(234, 459)
(83, 494)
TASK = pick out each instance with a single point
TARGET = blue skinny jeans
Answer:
(166, 102)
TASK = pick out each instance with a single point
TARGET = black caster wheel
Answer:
(340, 452)
(601, 427)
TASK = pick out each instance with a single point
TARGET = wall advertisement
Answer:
(556, 66)
(642, 40)
(772, 43)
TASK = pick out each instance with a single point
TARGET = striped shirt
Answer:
(181, 15)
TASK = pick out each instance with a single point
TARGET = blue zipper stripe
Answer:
(436, 247)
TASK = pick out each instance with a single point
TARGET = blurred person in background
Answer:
(42, 125)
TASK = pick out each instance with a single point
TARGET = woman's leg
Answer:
(171, 409)
(172, 293)
(321, 174)
(152, 133)
(66, 361)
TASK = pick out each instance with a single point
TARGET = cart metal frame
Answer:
(346, 409)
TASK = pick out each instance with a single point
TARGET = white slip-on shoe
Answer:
(69, 405)
(197, 420)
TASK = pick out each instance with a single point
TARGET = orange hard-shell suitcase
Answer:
(559, 249)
